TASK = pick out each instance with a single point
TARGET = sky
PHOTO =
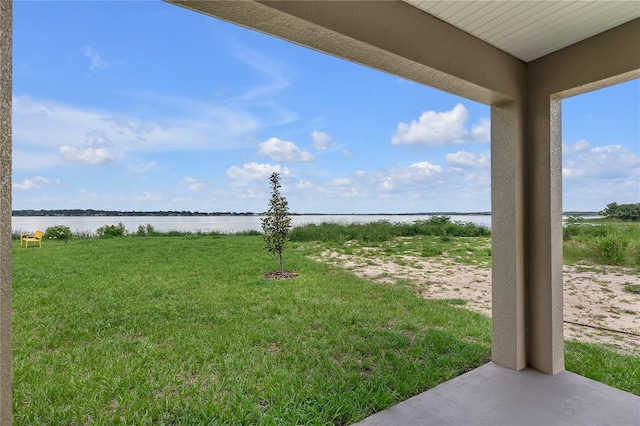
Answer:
(148, 106)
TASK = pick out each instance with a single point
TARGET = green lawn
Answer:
(184, 330)
(144, 330)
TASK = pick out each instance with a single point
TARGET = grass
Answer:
(632, 288)
(465, 250)
(604, 365)
(185, 330)
(603, 242)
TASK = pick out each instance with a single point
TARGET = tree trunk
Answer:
(281, 264)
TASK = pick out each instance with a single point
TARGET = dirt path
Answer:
(595, 299)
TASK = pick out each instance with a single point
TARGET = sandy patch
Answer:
(597, 309)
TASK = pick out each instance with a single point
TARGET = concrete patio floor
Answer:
(493, 395)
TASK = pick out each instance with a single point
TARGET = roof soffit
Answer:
(529, 30)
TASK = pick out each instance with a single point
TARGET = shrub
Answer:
(383, 230)
(431, 251)
(570, 231)
(108, 231)
(440, 220)
(145, 230)
(572, 220)
(596, 231)
(611, 248)
(58, 232)
(251, 233)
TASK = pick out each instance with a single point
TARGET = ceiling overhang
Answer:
(529, 30)
(402, 39)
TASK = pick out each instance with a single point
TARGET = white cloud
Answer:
(468, 159)
(274, 71)
(321, 140)
(33, 183)
(341, 182)
(97, 139)
(88, 156)
(193, 184)
(441, 128)
(568, 149)
(481, 132)
(606, 162)
(85, 193)
(348, 154)
(248, 194)
(420, 186)
(41, 127)
(387, 184)
(401, 179)
(568, 173)
(304, 184)
(280, 150)
(424, 168)
(255, 171)
(143, 167)
(149, 196)
(95, 60)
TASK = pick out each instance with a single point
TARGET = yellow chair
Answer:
(36, 238)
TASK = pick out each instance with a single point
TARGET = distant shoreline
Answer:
(161, 213)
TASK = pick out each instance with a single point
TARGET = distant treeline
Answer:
(91, 212)
(622, 211)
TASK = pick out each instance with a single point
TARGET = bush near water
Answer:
(384, 230)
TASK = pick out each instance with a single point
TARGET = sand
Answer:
(597, 308)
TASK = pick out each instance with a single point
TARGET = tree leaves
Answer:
(277, 222)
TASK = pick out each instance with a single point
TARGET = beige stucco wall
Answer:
(608, 58)
(5, 211)
(508, 241)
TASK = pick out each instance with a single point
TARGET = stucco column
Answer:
(507, 243)
(543, 206)
(608, 58)
(5, 211)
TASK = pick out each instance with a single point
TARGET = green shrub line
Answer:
(605, 242)
(62, 233)
(384, 230)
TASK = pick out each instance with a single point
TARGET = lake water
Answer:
(225, 224)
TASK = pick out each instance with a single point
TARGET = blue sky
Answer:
(147, 106)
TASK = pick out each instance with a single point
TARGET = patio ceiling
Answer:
(529, 30)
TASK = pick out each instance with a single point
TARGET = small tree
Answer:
(276, 223)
